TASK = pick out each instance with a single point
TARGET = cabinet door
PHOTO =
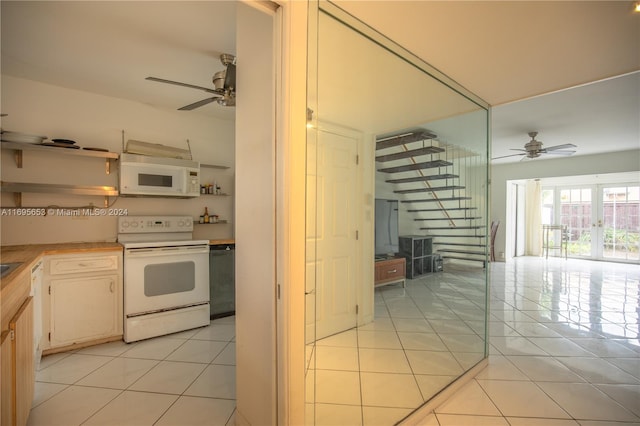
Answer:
(24, 373)
(6, 379)
(83, 309)
(18, 370)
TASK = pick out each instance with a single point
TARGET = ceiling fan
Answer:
(534, 149)
(224, 83)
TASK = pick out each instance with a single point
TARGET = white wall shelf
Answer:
(213, 166)
(51, 188)
(220, 222)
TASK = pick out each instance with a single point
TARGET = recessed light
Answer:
(636, 8)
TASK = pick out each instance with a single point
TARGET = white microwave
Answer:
(158, 176)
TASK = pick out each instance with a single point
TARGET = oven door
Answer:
(163, 278)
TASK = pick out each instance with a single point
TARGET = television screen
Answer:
(386, 220)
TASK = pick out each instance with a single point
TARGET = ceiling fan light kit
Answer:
(224, 85)
(534, 148)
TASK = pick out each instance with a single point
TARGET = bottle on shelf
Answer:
(206, 215)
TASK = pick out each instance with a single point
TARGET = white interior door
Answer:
(336, 247)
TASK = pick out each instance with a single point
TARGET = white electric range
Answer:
(166, 276)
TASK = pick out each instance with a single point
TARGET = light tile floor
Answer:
(564, 350)
(185, 378)
(423, 336)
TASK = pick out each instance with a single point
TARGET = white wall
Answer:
(97, 121)
(614, 162)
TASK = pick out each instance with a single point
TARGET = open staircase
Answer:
(443, 187)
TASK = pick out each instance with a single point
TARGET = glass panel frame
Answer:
(466, 292)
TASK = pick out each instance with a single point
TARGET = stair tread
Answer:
(448, 218)
(474, 252)
(457, 236)
(423, 178)
(408, 137)
(441, 210)
(432, 189)
(441, 243)
(452, 228)
(430, 200)
(464, 258)
(411, 153)
(416, 166)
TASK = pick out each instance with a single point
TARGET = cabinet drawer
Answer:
(80, 264)
(389, 269)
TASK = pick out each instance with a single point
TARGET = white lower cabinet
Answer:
(82, 298)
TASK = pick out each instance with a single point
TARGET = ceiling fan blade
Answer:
(561, 152)
(198, 104)
(177, 83)
(566, 145)
(517, 149)
(505, 156)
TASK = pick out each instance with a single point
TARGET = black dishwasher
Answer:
(222, 287)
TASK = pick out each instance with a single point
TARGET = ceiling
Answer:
(110, 47)
(532, 60)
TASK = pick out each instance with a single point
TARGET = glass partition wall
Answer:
(389, 328)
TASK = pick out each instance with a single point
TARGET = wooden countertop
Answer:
(29, 254)
(216, 242)
(15, 286)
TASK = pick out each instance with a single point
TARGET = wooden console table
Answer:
(390, 271)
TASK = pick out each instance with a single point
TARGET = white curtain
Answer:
(533, 218)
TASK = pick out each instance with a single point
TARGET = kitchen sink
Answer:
(6, 268)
